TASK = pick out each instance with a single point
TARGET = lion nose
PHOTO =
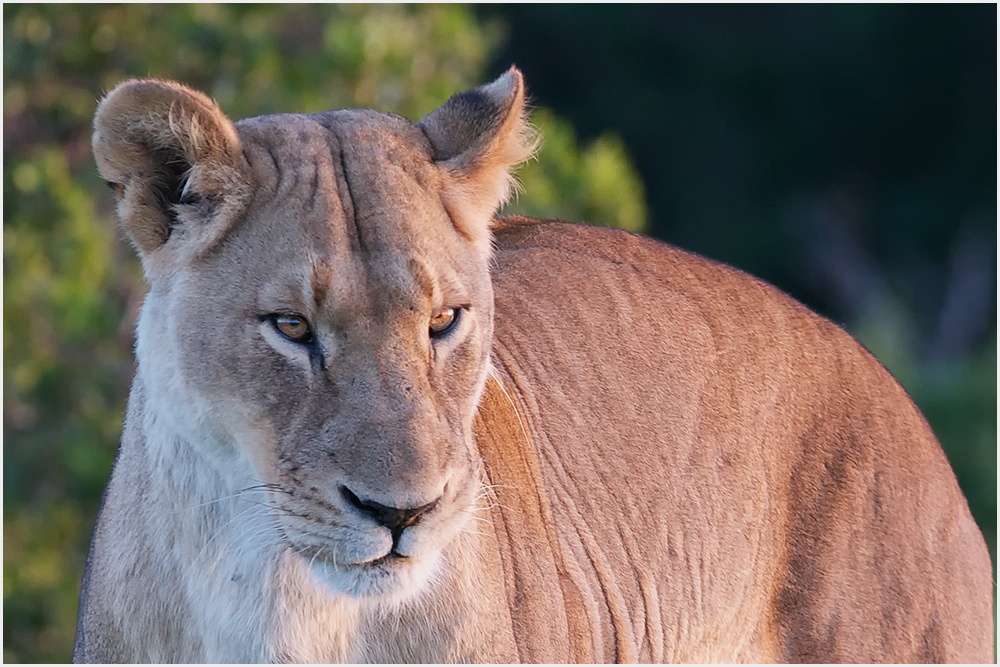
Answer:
(396, 519)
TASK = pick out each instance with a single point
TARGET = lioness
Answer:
(371, 423)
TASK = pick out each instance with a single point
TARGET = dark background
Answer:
(844, 153)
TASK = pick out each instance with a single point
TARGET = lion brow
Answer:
(321, 278)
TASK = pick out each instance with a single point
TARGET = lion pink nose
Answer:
(396, 519)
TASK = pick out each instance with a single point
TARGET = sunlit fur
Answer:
(632, 454)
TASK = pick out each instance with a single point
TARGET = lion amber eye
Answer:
(292, 327)
(442, 321)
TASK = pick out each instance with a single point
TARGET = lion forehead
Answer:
(289, 152)
(358, 182)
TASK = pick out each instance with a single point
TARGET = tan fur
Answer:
(629, 453)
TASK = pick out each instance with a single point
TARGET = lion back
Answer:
(704, 443)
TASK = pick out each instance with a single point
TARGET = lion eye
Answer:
(293, 327)
(443, 321)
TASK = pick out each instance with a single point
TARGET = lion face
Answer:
(320, 314)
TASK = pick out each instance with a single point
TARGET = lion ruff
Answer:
(372, 423)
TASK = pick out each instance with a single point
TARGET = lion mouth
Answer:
(389, 559)
(391, 575)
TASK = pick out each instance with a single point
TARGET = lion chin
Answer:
(389, 579)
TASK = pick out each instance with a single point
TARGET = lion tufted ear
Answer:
(477, 137)
(173, 159)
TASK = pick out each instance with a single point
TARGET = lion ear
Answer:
(173, 159)
(477, 137)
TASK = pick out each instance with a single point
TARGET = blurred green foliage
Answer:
(72, 285)
(570, 182)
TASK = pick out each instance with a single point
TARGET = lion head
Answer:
(319, 318)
